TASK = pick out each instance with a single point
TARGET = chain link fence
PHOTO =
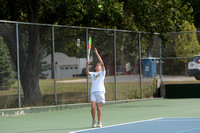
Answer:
(47, 63)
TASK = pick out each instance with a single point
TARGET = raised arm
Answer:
(99, 58)
(87, 67)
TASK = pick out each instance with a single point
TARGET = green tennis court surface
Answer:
(80, 119)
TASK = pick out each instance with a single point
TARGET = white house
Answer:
(65, 66)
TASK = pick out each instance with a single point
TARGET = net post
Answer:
(115, 65)
(88, 98)
(54, 70)
(140, 58)
(18, 69)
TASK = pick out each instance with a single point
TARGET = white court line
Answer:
(182, 119)
(116, 125)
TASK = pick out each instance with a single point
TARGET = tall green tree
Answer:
(83, 13)
(187, 45)
(158, 15)
(29, 52)
(77, 12)
(195, 4)
(6, 75)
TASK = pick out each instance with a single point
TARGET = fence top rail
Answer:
(183, 32)
(90, 28)
(65, 26)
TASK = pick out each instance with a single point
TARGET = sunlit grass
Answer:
(76, 92)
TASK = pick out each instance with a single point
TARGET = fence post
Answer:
(160, 53)
(88, 98)
(18, 69)
(54, 70)
(139, 43)
(115, 65)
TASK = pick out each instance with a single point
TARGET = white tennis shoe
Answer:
(99, 124)
(93, 123)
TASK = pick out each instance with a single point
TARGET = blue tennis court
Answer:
(159, 125)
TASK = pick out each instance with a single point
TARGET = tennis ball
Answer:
(99, 6)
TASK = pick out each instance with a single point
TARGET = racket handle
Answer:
(88, 55)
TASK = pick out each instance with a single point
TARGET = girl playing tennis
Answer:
(97, 89)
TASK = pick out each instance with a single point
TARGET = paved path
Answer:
(133, 78)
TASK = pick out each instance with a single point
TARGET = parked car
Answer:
(121, 70)
(194, 67)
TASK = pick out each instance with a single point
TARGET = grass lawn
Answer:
(68, 93)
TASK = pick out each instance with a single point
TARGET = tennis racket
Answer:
(89, 46)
